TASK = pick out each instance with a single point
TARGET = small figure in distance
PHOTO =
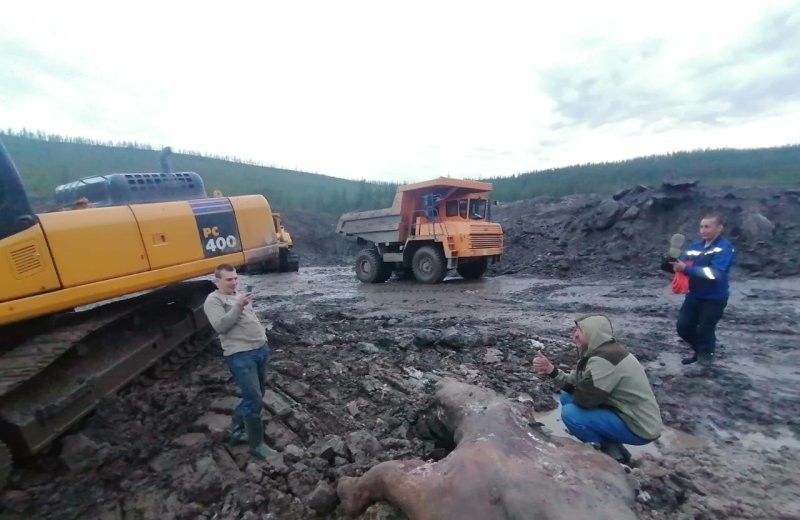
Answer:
(606, 400)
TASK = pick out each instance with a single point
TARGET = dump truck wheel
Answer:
(369, 267)
(473, 270)
(6, 464)
(429, 265)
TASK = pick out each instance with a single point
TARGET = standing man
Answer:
(607, 400)
(706, 262)
(244, 346)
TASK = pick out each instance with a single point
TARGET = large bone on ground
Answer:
(500, 469)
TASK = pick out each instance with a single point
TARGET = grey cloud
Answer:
(610, 85)
(617, 82)
(760, 73)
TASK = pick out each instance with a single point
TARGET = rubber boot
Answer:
(704, 366)
(705, 358)
(616, 451)
(235, 433)
(255, 436)
(689, 360)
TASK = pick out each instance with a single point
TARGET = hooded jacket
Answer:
(609, 376)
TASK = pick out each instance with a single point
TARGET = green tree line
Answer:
(46, 160)
(778, 165)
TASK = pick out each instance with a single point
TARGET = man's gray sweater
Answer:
(239, 328)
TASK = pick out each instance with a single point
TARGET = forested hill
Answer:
(780, 165)
(47, 161)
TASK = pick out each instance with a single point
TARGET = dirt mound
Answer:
(629, 232)
(315, 240)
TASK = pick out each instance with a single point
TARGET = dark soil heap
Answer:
(591, 234)
(627, 233)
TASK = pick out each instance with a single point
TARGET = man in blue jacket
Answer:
(706, 262)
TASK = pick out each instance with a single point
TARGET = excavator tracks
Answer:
(52, 379)
(6, 464)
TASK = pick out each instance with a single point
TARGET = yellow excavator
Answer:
(90, 299)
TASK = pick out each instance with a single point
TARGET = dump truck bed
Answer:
(380, 225)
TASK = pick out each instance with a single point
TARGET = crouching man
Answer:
(244, 346)
(607, 400)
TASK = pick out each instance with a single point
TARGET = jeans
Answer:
(596, 424)
(249, 370)
(697, 323)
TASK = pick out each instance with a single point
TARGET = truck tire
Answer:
(429, 264)
(288, 261)
(370, 268)
(283, 260)
(473, 270)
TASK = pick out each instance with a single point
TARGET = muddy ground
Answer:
(354, 367)
(357, 362)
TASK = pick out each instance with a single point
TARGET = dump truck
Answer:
(90, 298)
(431, 228)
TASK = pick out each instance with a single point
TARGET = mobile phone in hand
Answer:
(248, 288)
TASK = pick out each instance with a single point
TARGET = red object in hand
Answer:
(680, 281)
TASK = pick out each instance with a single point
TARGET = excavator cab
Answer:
(15, 211)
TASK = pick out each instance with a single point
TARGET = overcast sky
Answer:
(405, 91)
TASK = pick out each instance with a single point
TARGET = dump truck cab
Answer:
(432, 227)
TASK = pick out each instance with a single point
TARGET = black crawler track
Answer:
(59, 374)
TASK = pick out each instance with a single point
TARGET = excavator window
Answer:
(15, 209)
